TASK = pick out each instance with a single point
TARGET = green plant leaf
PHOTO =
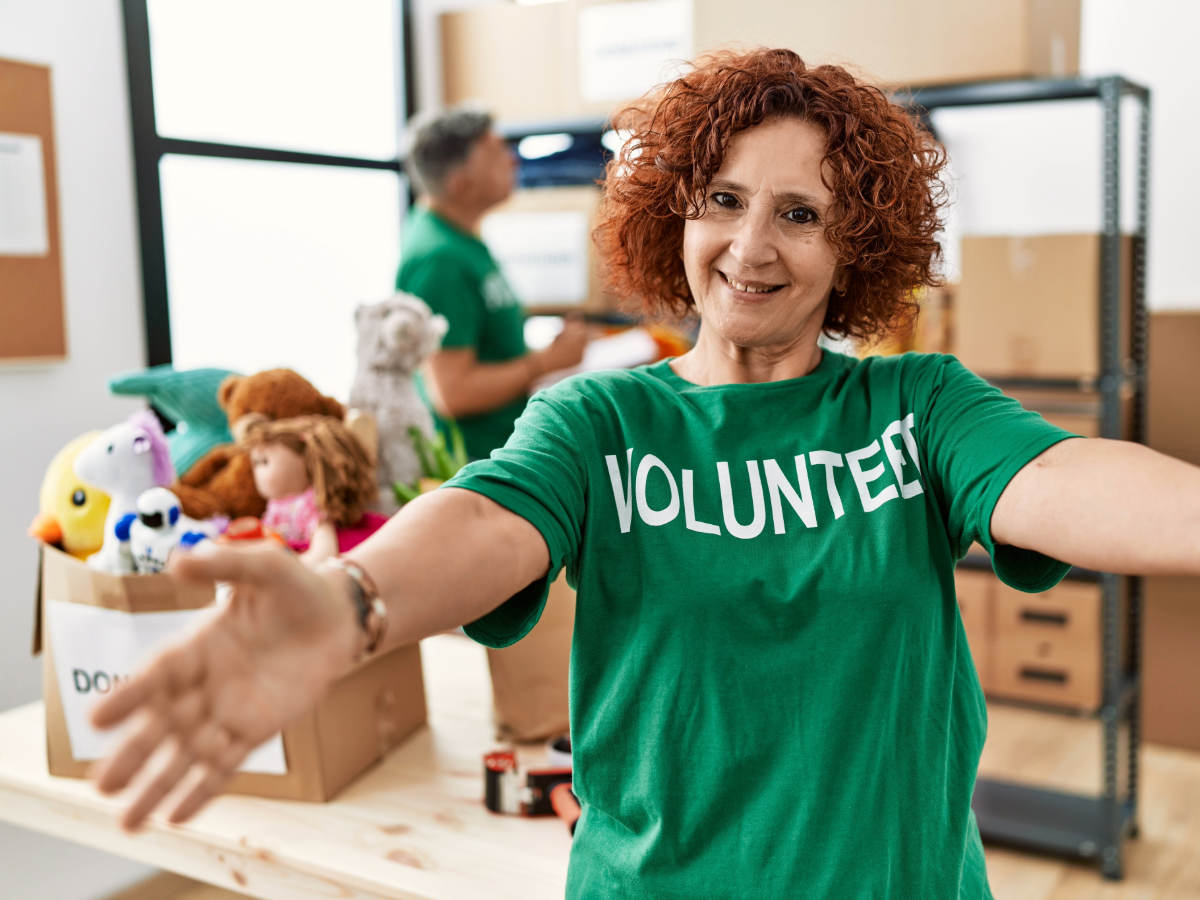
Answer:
(446, 468)
(458, 447)
(424, 451)
(404, 492)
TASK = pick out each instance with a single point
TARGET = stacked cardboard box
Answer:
(1171, 665)
(549, 61)
(1040, 648)
(1029, 306)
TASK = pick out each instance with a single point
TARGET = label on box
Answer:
(544, 255)
(95, 649)
(627, 48)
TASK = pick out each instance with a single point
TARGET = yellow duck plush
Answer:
(71, 513)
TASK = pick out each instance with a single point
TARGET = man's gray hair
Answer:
(439, 142)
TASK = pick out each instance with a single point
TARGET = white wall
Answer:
(45, 406)
(1153, 42)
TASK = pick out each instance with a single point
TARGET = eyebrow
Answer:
(734, 187)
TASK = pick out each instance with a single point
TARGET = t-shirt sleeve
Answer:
(452, 291)
(538, 474)
(974, 440)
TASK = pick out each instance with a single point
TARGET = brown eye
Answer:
(801, 216)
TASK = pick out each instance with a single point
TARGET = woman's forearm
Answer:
(1108, 505)
(448, 558)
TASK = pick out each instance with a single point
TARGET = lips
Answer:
(750, 287)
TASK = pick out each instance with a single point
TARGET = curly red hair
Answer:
(882, 169)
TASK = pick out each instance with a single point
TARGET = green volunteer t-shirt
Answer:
(771, 690)
(454, 273)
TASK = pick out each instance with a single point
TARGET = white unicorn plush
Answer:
(123, 462)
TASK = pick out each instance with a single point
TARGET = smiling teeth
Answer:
(750, 290)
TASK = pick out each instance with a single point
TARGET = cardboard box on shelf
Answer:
(93, 627)
(542, 239)
(1046, 670)
(1173, 407)
(1171, 666)
(530, 679)
(975, 600)
(1074, 411)
(913, 43)
(1046, 647)
(1030, 307)
(935, 324)
(519, 61)
(581, 57)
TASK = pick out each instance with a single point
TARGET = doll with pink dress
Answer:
(317, 479)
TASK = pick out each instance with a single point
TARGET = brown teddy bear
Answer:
(221, 483)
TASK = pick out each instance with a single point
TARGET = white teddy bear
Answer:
(394, 338)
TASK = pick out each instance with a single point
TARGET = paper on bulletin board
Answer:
(627, 48)
(95, 648)
(23, 223)
(543, 255)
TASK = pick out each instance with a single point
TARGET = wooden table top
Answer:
(412, 827)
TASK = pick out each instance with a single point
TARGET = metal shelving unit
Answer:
(1088, 827)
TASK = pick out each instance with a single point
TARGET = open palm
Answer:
(202, 704)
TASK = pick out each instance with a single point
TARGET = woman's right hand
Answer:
(201, 705)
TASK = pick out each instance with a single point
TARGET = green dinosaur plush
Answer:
(187, 398)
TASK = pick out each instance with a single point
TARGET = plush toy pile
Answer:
(257, 455)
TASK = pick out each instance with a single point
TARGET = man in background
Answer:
(483, 374)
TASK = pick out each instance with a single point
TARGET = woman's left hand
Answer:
(202, 704)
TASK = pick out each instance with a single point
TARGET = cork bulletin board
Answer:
(31, 298)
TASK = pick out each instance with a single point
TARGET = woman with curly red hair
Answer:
(771, 693)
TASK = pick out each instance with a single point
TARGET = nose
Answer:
(753, 243)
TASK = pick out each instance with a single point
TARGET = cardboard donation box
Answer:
(1030, 306)
(95, 629)
(582, 57)
(542, 240)
(530, 679)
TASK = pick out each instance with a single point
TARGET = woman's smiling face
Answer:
(757, 261)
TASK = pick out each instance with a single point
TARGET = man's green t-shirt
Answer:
(454, 273)
(771, 690)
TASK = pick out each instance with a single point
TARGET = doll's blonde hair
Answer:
(339, 468)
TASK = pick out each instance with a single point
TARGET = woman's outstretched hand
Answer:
(201, 705)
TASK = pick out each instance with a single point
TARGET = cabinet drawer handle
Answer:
(1043, 618)
(1044, 675)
